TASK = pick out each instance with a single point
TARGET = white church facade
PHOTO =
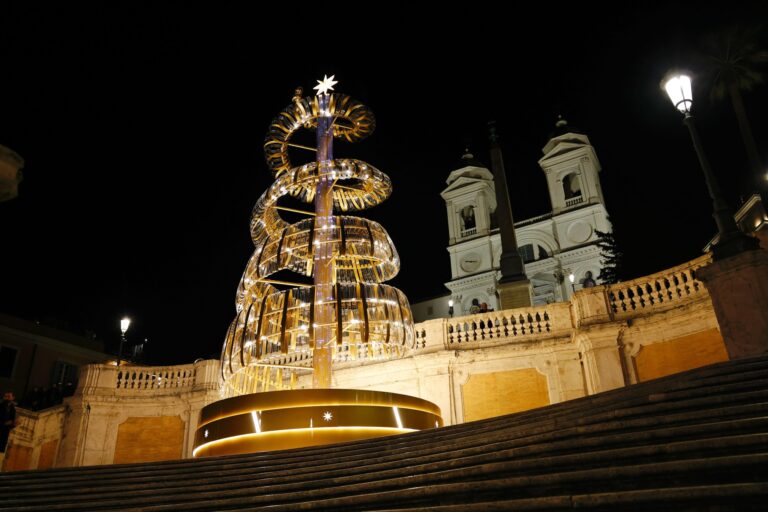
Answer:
(553, 246)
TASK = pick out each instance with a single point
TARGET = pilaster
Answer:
(600, 348)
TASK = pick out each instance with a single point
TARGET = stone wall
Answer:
(603, 338)
(35, 441)
(472, 367)
(130, 414)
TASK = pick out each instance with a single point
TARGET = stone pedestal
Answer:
(738, 286)
(515, 294)
(591, 306)
(602, 356)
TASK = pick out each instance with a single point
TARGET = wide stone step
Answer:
(424, 492)
(729, 497)
(641, 390)
(574, 440)
(428, 491)
(473, 467)
(696, 440)
(547, 431)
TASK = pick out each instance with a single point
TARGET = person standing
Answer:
(7, 421)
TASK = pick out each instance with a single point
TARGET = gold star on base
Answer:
(325, 85)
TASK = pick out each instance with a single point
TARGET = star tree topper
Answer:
(325, 85)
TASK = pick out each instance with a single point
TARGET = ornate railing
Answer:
(574, 201)
(469, 232)
(657, 292)
(662, 290)
(542, 321)
(156, 378)
(421, 336)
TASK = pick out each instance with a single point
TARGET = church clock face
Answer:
(470, 262)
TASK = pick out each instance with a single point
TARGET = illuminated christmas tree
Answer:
(346, 312)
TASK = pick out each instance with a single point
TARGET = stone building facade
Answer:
(553, 246)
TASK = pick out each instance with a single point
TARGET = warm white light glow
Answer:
(223, 440)
(679, 91)
(450, 303)
(571, 278)
(124, 324)
(397, 417)
(256, 421)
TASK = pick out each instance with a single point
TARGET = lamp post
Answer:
(731, 240)
(572, 278)
(124, 324)
(450, 308)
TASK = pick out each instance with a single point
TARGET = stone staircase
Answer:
(693, 441)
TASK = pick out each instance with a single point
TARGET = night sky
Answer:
(142, 130)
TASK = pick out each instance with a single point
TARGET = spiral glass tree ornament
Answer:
(345, 313)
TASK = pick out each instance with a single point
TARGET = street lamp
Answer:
(572, 278)
(124, 324)
(731, 240)
(450, 307)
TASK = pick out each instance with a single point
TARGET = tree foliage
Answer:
(611, 257)
(734, 62)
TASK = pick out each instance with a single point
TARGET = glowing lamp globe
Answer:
(124, 324)
(678, 89)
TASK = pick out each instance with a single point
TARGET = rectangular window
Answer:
(64, 373)
(7, 361)
(526, 253)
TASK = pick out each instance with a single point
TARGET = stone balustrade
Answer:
(659, 291)
(590, 306)
(545, 321)
(157, 378)
(574, 201)
(103, 379)
(598, 305)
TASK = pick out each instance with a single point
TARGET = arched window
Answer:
(468, 218)
(571, 186)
